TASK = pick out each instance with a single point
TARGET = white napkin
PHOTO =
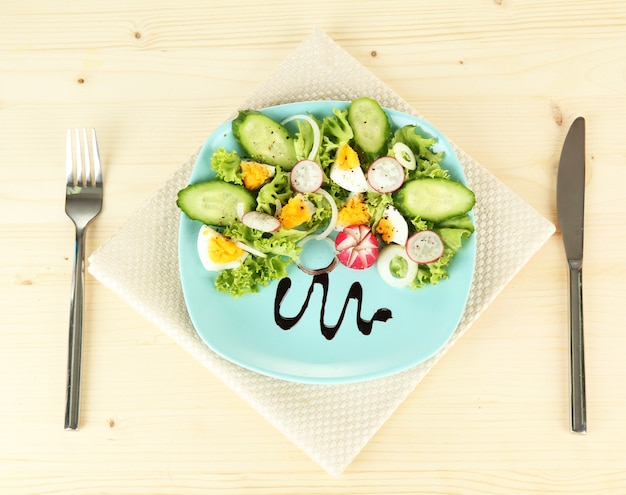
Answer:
(330, 423)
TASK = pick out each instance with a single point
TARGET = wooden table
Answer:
(503, 79)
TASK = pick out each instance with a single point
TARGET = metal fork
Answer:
(83, 202)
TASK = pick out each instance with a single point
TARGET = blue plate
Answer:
(246, 331)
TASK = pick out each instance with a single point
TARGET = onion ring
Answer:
(316, 132)
(318, 271)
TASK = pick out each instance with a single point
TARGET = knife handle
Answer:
(577, 350)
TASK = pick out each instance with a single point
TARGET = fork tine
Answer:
(79, 160)
(87, 160)
(69, 161)
(97, 166)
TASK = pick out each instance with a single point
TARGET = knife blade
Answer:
(570, 200)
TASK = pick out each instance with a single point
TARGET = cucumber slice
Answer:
(264, 139)
(214, 202)
(434, 200)
(370, 125)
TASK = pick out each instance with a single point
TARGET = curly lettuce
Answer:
(279, 188)
(427, 160)
(253, 274)
(322, 213)
(336, 130)
(280, 249)
(376, 204)
(283, 242)
(433, 273)
(304, 138)
(227, 166)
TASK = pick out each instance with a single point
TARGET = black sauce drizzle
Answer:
(328, 331)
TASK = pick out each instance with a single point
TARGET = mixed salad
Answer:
(379, 195)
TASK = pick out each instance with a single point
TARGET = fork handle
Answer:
(577, 351)
(74, 357)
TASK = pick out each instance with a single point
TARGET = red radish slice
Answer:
(385, 175)
(260, 221)
(404, 155)
(306, 176)
(424, 246)
(316, 132)
(357, 247)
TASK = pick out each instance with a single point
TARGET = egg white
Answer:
(204, 236)
(352, 179)
(400, 227)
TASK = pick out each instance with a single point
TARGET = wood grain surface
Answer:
(503, 79)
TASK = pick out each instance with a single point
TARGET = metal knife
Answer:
(570, 201)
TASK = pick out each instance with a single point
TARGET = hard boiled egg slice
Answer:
(218, 252)
(351, 179)
(297, 211)
(255, 174)
(392, 226)
(353, 212)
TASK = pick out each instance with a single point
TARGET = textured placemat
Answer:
(330, 423)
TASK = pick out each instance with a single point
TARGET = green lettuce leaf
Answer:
(336, 130)
(453, 238)
(463, 222)
(376, 204)
(283, 242)
(322, 213)
(433, 273)
(426, 159)
(227, 166)
(303, 140)
(279, 188)
(253, 274)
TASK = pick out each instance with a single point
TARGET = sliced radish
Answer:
(357, 247)
(424, 246)
(306, 176)
(388, 256)
(404, 155)
(260, 221)
(385, 175)
(316, 132)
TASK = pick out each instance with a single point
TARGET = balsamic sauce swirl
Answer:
(328, 331)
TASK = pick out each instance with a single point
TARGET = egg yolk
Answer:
(254, 174)
(346, 157)
(294, 213)
(354, 212)
(385, 229)
(222, 250)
